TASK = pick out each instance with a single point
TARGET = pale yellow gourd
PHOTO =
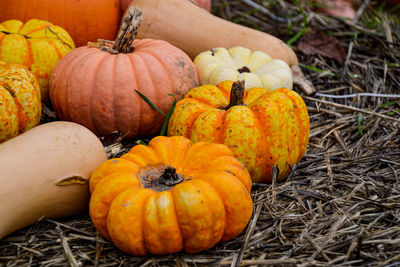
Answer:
(256, 68)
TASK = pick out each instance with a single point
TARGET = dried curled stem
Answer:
(128, 30)
(126, 34)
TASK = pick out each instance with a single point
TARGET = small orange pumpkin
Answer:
(263, 128)
(95, 85)
(171, 195)
(20, 106)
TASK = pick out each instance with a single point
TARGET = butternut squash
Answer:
(194, 30)
(43, 173)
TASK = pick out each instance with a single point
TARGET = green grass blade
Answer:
(359, 120)
(166, 120)
(150, 103)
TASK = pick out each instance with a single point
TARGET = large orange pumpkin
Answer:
(20, 106)
(171, 195)
(37, 44)
(263, 128)
(95, 85)
(85, 20)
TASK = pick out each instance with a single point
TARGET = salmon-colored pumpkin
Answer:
(171, 195)
(85, 20)
(37, 44)
(95, 85)
(263, 128)
(20, 106)
(206, 4)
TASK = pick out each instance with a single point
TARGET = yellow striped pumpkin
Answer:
(37, 44)
(20, 106)
(263, 128)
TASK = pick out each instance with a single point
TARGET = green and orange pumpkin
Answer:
(20, 105)
(263, 128)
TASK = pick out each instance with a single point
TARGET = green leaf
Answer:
(166, 120)
(359, 120)
(150, 103)
(303, 29)
(140, 142)
(389, 103)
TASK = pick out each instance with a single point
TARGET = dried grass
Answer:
(340, 206)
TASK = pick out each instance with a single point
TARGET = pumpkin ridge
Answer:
(177, 219)
(66, 74)
(114, 98)
(143, 219)
(92, 115)
(155, 101)
(104, 81)
(135, 77)
(162, 65)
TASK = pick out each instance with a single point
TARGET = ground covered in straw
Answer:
(340, 206)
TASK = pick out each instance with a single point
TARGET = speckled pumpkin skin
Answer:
(97, 89)
(20, 106)
(37, 44)
(212, 204)
(272, 128)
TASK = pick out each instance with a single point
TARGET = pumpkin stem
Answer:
(170, 177)
(237, 95)
(128, 30)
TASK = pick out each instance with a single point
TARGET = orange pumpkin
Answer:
(263, 128)
(20, 106)
(171, 195)
(85, 20)
(95, 85)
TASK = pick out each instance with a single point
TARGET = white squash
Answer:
(256, 68)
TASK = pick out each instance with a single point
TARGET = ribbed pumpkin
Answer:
(84, 20)
(263, 128)
(206, 4)
(171, 195)
(256, 68)
(20, 106)
(37, 44)
(95, 85)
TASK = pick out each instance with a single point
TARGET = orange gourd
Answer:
(20, 106)
(171, 195)
(85, 20)
(263, 128)
(95, 85)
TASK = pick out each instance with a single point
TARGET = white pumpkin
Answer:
(257, 68)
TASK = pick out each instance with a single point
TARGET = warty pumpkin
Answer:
(95, 85)
(20, 106)
(171, 195)
(256, 68)
(84, 20)
(37, 44)
(263, 128)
